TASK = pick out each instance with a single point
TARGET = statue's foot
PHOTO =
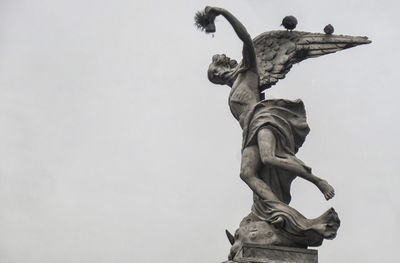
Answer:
(326, 189)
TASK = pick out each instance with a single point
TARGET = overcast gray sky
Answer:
(116, 148)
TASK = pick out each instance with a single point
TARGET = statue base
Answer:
(255, 253)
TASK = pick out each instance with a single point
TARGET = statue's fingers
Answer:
(207, 9)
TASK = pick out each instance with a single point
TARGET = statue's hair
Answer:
(220, 61)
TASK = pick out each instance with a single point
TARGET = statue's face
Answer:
(222, 70)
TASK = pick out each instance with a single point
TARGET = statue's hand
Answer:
(212, 10)
(205, 19)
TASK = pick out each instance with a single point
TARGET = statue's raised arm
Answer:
(205, 21)
(249, 56)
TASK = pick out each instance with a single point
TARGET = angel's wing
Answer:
(277, 51)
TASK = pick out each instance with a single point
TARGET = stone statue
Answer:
(273, 131)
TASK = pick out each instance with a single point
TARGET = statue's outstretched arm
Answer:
(249, 56)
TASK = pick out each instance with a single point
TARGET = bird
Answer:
(289, 22)
(329, 29)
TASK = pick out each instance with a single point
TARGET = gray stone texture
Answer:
(255, 253)
(273, 132)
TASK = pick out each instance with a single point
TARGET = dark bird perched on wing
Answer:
(289, 22)
(328, 29)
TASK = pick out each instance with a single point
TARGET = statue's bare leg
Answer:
(248, 173)
(267, 144)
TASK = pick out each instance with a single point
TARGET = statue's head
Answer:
(222, 70)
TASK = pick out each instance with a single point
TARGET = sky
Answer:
(116, 147)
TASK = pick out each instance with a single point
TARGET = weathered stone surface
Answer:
(252, 253)
(273, 132)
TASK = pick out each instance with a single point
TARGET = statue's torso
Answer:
(244, 95)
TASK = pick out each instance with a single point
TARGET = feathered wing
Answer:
(277, 51)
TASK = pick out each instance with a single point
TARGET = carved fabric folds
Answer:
(286, 116)
(303, 231)
(287, 120)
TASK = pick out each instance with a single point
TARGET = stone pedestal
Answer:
(255, 253)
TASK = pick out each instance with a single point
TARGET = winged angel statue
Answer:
(273, 130)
